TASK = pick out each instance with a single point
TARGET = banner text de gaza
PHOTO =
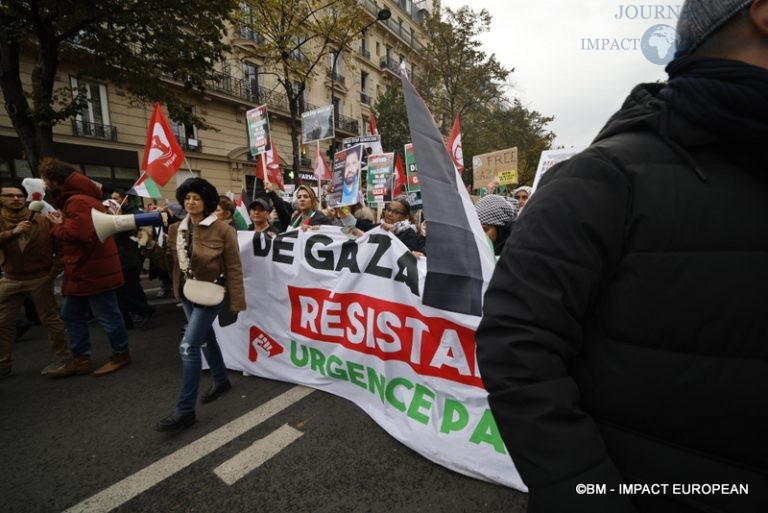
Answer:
(281, 249)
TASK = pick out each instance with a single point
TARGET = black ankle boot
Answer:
(215, 391)
(176, 421)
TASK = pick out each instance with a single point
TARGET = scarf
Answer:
(9, 219)
(301, 219)
(723, 96)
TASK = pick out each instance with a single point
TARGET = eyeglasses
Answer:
(395, 211)
(10, 195)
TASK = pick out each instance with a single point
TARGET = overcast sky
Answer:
(557, 71)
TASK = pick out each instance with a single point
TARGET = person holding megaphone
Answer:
(92, 272)
(203, 256)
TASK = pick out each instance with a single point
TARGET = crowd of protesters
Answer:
(623, 331)
(102, 279)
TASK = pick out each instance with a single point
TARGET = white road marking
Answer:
(134, 485)
(253, 457)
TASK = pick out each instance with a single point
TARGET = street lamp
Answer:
(382, 15)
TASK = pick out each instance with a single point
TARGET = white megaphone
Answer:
(107, 225)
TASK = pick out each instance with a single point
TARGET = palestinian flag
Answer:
(146, 188)
(242, 219)
(460, 262)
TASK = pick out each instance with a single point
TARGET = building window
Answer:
(247, 30)
(364, 46)
(297, 53)
(364, 98)
(335, 65)
(336, 110)
(302, 100)
(111, 177)
(22, 168)
(15, 168)
(126, 173)
(93, 119)
(186, 133)
(97, 172)
(251, 75)
(366, 126)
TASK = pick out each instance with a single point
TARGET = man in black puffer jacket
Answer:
(625, 331)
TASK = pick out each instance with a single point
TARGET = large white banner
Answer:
(345, 316)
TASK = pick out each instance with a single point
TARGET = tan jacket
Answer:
(215, 251)
(36, 259)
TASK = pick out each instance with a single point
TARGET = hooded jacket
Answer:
(624, 331)
(90, 267)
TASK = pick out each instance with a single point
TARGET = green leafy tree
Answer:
(155, 49)
(297, 37)
(507, 125)
(459, 78)
(392, 119)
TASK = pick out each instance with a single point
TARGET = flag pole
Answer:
(319, 180)
(263, 172)
(255, 177)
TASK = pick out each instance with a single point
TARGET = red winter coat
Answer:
(90, 267)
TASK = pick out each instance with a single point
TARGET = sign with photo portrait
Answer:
(345, 185)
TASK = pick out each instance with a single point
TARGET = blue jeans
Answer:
(199, 336)
(74, 313)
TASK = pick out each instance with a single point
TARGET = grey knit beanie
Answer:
(699, 19)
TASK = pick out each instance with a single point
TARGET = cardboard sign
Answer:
(488, 167)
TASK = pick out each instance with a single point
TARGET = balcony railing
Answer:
(245, 90)
(373, 9)
(190, 144)
(390, 65)
(365, 52)
(250, 33)
(346, 123)
(97, 131)
(364, 98)
(337, 77)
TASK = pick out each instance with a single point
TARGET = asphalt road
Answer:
(86, 444)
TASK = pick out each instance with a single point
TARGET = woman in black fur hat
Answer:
(200, 247)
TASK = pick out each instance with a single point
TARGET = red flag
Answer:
(372, 123)
(454, 146)
(162, 153)
(320, 167)
(397, 189)
(274, 173)
(259, 169)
